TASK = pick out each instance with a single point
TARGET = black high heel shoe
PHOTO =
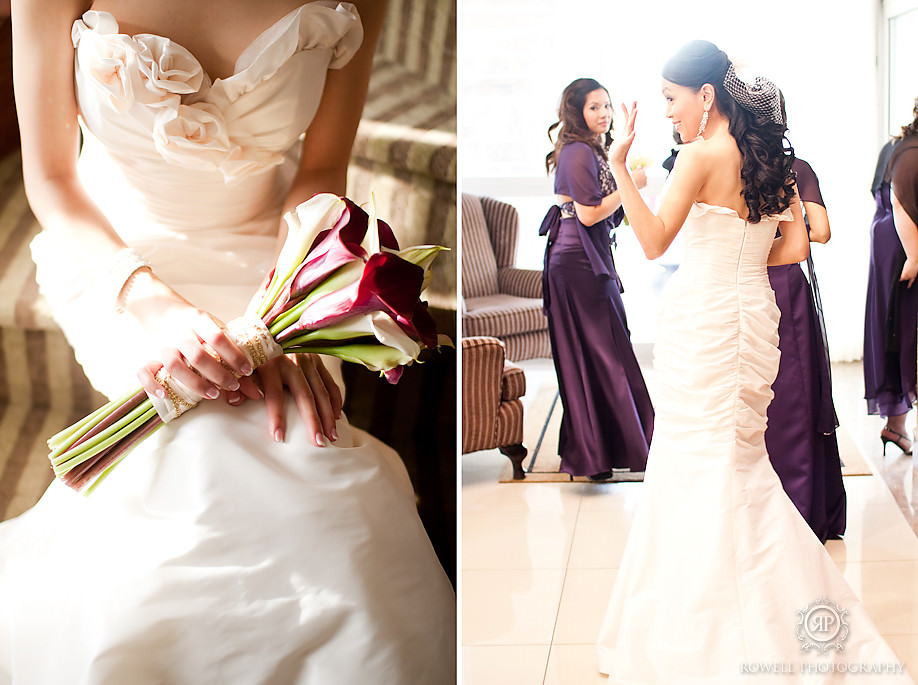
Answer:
(899, 440)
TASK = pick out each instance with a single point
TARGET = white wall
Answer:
(516, 56)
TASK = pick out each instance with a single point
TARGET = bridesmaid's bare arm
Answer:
(908, 236)
(794, 244)
(818, 218)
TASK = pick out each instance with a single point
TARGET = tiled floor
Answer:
(535, 582)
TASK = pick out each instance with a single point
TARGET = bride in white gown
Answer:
(252, 541)
(721, 580)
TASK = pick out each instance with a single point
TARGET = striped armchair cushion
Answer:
(502, 315)
(479, 266)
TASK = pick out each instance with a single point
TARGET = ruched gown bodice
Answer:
(212, 554)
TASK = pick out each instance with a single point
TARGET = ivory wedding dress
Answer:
(212, 554)
(722, 581)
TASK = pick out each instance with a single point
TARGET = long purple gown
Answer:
(890, 337)
(607, 420)
(801, 438)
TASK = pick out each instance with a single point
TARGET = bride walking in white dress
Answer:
(721, 580)
(252, 541)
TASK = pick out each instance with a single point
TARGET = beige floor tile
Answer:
(906, 649)
(542, 497)
(867, 490)
(517, 539)
(573, 665)
(889, 592)
(583, 605)
(609, 496)
(599, 539)
(509, 606)
(513, 665)
(875, 532)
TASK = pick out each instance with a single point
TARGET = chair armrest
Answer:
(513, 383)
(520, 282)
(483, 361)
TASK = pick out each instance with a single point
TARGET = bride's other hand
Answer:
(622, 145)
(317, 396)
(909, 271)
(640, 178)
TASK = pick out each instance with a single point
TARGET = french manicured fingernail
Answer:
(235, 399)
(321, 441)
(278, 435)
(260, 393)
(334, 434)
(212, 394)
(233, 386)
(245, 370)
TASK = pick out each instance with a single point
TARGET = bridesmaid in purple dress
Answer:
(890, 337)
(801, 438)
(607, 420)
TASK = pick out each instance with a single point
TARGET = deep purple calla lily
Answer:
(389, 284)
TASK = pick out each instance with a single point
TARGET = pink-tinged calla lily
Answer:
(332, 249)
(388, 283)
(310, 218)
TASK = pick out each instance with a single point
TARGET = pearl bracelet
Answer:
(121, 274)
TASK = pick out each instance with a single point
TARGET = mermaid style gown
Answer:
(718, 561)
(212, 554)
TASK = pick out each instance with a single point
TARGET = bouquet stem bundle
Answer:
(341, 287)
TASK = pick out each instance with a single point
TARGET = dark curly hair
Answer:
(912, 128)
(768, 180)
(573, 126)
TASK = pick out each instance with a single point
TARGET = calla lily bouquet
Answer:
(341, 287)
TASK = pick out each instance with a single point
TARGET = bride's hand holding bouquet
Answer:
(341, 286)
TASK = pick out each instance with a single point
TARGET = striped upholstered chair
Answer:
(492, 412)
(499, 299)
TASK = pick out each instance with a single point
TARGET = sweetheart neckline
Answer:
(212, 80)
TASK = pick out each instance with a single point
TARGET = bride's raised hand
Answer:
(618, 154)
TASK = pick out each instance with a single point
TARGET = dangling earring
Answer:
(704, 122)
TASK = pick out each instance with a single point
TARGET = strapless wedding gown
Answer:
(722, 581)
(212, 554)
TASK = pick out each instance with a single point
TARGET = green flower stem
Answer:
(65, 461)
(373, 356)
(73, 433)
(147, 428)
(323, 335)
(288, 318)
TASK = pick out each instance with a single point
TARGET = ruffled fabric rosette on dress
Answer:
(198, 123)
